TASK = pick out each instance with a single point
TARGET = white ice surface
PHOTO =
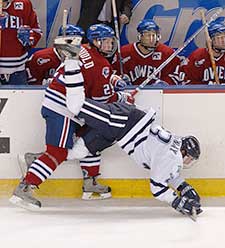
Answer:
(110, 223)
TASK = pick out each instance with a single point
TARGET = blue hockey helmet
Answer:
(148, 34)
(190, 150)
(100, 32)
(217, 34)
(147, 25)
(71, 30)
(216, 28)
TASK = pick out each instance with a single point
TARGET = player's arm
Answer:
(35, 72)
(161, 191)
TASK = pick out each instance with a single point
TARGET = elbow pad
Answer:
(74, 83)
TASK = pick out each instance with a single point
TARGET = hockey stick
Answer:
(172, 56)
(115, 17)
(209, 46)
(64, 22)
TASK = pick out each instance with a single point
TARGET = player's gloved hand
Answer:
(25, 35)
(188, 191)
(3, 19)
(69, 46)
(118, 83)
(185, 205)
(125, 97)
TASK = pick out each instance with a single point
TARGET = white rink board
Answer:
(22, 122)
(202, 115)
(199, 114)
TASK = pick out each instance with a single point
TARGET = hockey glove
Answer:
(185, 205)
(119, 83)
(125, 97)
(3, 19)
(188, 191)
(25, 35)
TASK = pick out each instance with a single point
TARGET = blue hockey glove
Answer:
(3, 20)
(25, 36)
(188, 191)
(185, 205)
(118, 83)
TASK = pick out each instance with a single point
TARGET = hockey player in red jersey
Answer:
(141, 58)
(97, 74)
(20, 31)
(42, 66)
(198, 68)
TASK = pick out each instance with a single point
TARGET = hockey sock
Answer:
(43, 167)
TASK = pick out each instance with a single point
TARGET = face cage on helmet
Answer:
(218, 42)
(73, 41)
(149, 37)
(107, 54)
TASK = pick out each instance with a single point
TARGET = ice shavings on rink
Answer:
(110, 223)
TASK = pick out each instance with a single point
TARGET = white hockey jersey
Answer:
(156, 149)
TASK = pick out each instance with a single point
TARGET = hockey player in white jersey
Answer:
(135, 131)
(148, 144)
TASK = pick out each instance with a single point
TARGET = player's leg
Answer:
(18, 78)
(59, 137)
(91, 188)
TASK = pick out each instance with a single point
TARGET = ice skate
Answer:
(22, 197)
(94, 191)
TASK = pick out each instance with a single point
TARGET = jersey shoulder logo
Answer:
(157, 56)
(105, 71)
(199, 62)
(41, 61)
(18, 6)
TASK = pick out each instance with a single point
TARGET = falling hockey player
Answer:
(134, 130)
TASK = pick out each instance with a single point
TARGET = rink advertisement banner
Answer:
(178, 19)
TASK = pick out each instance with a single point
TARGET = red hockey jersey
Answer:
(42, 65)
(138, 66)
(12, 54)
(198, 67)
(97, 72)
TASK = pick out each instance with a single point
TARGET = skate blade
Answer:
(95, 196)
(21, 203)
